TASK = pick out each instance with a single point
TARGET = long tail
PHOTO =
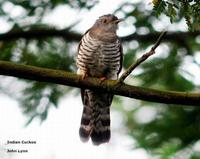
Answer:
(95, 121)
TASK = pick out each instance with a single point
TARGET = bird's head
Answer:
(108, 23)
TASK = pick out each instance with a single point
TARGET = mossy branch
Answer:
(115, 87)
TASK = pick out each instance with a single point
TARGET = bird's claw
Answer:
(85, 75)
(102, 79)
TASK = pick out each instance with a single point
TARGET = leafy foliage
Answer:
(189, 9)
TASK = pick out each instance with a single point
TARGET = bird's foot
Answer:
(102, 79)
(85, 75)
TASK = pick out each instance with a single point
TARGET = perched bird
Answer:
(99, 55)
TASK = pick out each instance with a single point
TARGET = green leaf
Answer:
(159, 7)
(171, 12)
(30, 120)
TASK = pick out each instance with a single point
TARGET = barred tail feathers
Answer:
(101, 131)
(86, 119)
(95, 121)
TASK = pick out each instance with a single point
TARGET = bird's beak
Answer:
(118, 21)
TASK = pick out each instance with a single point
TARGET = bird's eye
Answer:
(104, 21)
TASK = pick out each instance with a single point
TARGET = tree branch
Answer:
(143, 58)
(72, 36)
(41, 33)
(71, 79)
(171, 36)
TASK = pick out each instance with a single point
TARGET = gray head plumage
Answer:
(108, 22)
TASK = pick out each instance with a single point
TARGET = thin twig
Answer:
(143, 58)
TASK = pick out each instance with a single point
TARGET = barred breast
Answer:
(99, 58)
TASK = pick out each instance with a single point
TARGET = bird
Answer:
(99, 55)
